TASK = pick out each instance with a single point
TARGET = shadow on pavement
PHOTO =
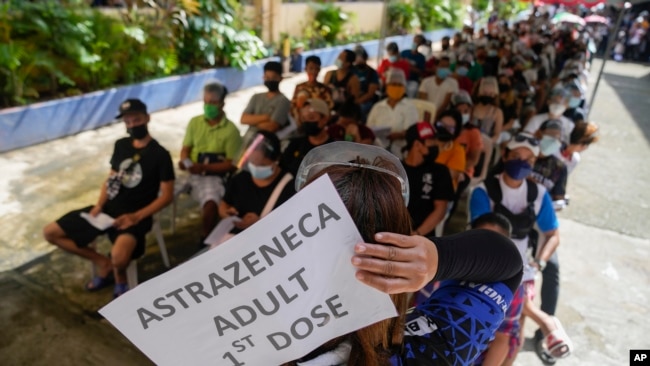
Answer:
(634, 93)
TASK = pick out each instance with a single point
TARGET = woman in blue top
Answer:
(479, 269)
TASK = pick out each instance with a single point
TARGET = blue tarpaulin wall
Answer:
(40, 122)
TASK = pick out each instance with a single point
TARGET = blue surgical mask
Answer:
(260, 172)
(462, 71)
(338, 63)
(392, 58)
(549, 145)
(574, 102)
(492, 53)
(517, 169)
(443, 72)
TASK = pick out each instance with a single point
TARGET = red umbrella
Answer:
(596, 19)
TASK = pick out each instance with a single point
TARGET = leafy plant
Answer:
(328, 21)
(402, 17)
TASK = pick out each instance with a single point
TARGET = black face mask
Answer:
(272, 85)
(432, 155)
(484, 99)
(138, 132)
(504, 87)
(311, 128)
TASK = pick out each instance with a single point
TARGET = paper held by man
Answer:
(270, 295)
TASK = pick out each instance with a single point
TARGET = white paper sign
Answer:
(102, 221)
(270, 295)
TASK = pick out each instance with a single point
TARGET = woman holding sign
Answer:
(479, 269)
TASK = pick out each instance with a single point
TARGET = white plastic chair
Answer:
(488, 150)
(287, 130)
(132, 269)
(426, 110)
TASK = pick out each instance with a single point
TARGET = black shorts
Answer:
(83, 233)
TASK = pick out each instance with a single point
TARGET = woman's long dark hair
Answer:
(375, 202)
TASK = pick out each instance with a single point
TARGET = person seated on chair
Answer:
(311, 88)
(348, 126)
(368, 81)
(416, 61)
(314, 115)
(344, 82)
(460, 74)
(509, 336)
(438, 89)
(583, 135)
(140, 183)
(430, 183)
(396, 112)
(525, 203)
(450, 152)
(392, 61)
(210, 145)
(558, 100)
(251, 192)
(268, 111)
(487, 114)
(549, 170)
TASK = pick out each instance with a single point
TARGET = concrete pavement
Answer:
(48, 317)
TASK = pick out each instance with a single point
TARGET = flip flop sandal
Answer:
(120, 289)
(558, 343)
(97, 283)
(543, 354)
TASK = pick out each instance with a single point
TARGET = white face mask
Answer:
(549, 145)
(556, 109)
(466, 117)
(260, 171)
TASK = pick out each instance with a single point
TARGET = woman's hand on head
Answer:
(400, 264)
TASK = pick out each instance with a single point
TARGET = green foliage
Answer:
(49, 50)
(423, 15)
(402, 17)
(326, 26)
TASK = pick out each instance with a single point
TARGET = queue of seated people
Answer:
(497, 117)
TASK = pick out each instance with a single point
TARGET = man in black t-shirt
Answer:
(141, 183)
(314, 116)
(429, 182)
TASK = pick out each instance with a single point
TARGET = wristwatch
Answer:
(540, 263)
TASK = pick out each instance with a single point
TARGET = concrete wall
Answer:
(292, 18)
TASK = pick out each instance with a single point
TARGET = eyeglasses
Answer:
(521, 138)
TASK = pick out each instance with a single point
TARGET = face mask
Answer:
(272, 85)
(311, 128)
(338, 63)
(392, 58)
(260, 172)
(574, 102)
(138, 132)
(492, 53)
(549, 145)
(432, 155)
(445, 47)
(466, 117)
(556, 109)
(414, 47)
(395, 92)
(211, 111)
(442, 133)
(517, 169)
(484, 99)
(462, 71)
(443, 72)
(504, 87)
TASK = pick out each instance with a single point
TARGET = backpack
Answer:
(522, 223)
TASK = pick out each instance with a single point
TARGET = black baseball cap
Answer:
(132, 106)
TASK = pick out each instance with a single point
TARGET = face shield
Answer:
(262, 151)
(352, 155)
